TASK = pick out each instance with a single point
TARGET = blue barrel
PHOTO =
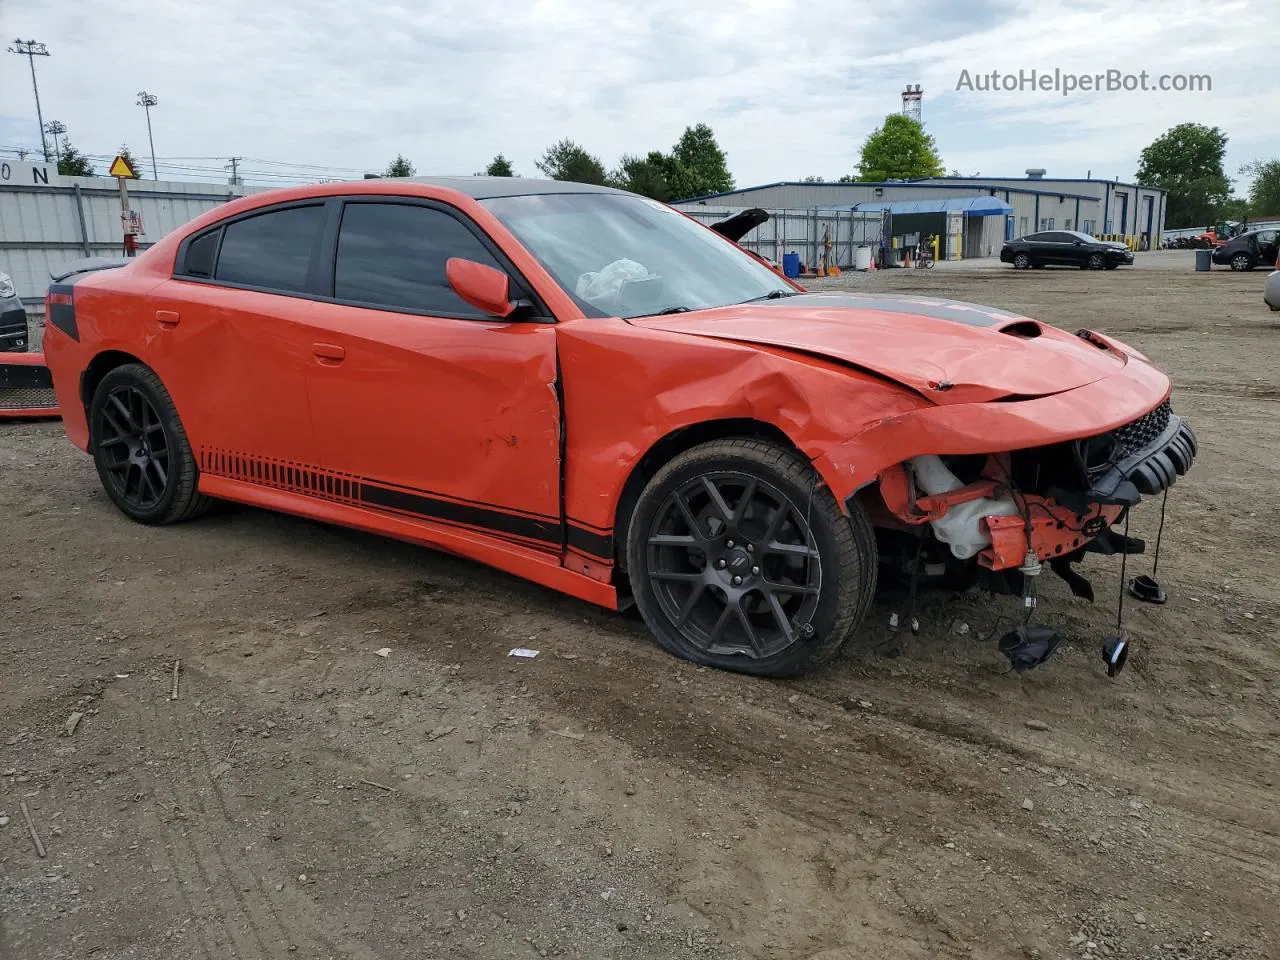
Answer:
(791, 264)
(1203, 259)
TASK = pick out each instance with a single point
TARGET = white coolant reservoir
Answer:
(961, 528)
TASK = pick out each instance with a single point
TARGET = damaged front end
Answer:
(996, 518)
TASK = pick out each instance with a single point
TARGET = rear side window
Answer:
(272, 250)
(393, 255)
(200, 251)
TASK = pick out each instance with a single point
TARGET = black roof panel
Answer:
(486, 188)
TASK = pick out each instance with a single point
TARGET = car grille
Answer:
(27, 398)
(1134, 436)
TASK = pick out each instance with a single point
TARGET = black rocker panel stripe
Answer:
(62, 310)
(592, 543)
(424, 506)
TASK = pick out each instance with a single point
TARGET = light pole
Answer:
(32, 49)
(56, 128)
(147, 101)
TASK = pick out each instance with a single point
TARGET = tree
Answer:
(129, 159)
(1264, 191)
(566, 160)
(900, 149)
(814, 179)
(656, 175)
(499, 166)
(73, 163)
(708, 168)
(1186, 160)
(399, 167)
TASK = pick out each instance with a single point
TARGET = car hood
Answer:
(946, 350)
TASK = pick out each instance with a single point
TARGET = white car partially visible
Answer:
(1272, 293)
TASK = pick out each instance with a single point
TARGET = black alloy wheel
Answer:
(135, 449)
(141, 450)
(739, 558)
(1097, 261)
(733, 564)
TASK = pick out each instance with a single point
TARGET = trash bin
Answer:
(1204, 260)
(862, 258)
(791, 264)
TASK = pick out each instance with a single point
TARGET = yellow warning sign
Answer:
(120, 168)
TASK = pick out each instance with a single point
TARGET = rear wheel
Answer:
(141, 451)
(1242, 261)
(738, 559)
(1021, 261)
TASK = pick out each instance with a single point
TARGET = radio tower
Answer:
(911, 97)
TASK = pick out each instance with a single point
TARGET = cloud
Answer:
(790, 89)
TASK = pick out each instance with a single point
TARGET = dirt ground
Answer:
(308, 797)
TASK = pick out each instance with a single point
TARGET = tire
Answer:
(1097, 261)
(1021, 261)
(683, 547)
(141, 450)
(1242, 261)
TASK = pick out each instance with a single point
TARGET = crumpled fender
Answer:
(994, 427)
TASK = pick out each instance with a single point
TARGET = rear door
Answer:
(439, 411)
(1268, 241)
(232, 344)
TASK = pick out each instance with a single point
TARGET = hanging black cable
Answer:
(1147, 588)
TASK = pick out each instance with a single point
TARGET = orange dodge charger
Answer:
(591, 390)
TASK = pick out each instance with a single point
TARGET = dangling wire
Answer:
(1124, 557)
(1155, 565)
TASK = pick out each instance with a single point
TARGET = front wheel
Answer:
(1097, 261)
(739, 559)
(141, 450)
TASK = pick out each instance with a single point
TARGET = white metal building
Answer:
(1104, 208)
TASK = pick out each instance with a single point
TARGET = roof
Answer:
(969, 206)
(980, 183)
(486, 188)
(1114, 183)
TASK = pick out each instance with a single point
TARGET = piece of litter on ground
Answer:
(1036, 725)
(122, 676)
(524, 652)
(384, 652)
(73, 721)
(570, 734)
(1027, 804)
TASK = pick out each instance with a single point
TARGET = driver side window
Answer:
(393, 255)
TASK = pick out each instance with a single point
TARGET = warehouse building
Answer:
(974, 215)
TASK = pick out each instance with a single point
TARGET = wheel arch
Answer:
(671, 446)
(102, 364)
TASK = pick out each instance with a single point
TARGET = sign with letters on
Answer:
(23, 174)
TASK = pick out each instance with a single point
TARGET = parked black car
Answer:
(13, 318)
(1257, 247)
(1068, 248)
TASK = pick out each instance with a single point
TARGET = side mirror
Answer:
(481, 286)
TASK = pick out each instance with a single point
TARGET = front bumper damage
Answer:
(26, 387)
(1064, 516)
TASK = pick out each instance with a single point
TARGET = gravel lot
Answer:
(307, 797)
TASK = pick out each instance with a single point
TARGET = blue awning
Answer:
(983, 206)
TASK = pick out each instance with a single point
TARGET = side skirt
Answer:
(529, 564)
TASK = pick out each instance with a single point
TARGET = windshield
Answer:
(620, 255)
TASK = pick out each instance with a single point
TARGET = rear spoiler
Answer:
(85, 265)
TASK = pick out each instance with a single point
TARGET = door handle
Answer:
(167, 318)
(329, 353)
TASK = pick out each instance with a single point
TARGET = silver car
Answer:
(1272, 294)
(13, 318)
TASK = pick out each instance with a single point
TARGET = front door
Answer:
(436, 410)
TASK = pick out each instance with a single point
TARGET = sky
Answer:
(331, 88)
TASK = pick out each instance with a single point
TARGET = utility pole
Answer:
(147, 101)
(233, 166)
(56, 129)
(32, 49)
